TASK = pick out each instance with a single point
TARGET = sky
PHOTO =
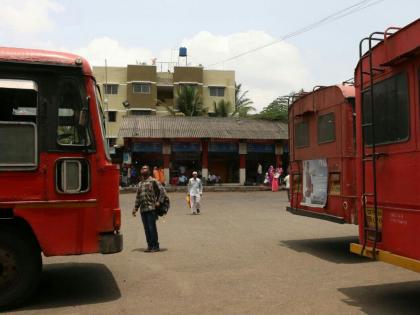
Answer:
(130, 31)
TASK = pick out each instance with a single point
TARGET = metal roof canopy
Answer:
(170, 127)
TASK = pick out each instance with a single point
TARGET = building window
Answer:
(111, 88)
(143, 88)
(217, 91)
(391, 111)
(302, 134)
(326, 128)
(112, 116)
(141, 112)
(112, 142)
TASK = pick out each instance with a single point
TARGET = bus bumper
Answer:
(316, 215)
(388, 257)
(110, 243)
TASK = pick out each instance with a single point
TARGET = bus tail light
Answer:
(334, 184)
(296, 182)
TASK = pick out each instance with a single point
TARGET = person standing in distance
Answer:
(195, 190)
(150, 195)
(287, 186)
(259, 176)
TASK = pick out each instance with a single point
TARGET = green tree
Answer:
(276, 110)
(243, 105)
(189, 101)
(222, 108)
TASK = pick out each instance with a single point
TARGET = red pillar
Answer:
(242, 160)
(278, 160)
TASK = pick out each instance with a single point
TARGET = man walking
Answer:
(195, 190)
(150, 195)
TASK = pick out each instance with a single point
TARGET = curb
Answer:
(126, 190)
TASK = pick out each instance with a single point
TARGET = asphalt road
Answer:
(244, 255)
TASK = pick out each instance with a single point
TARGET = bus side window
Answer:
(302, 134)
(18, 118)
(72, 129)
(326, 128)
(391, 111)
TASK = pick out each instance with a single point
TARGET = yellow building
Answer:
(142, 90)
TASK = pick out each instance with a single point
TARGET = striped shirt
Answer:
(146, 196)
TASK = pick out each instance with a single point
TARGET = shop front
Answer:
(223, 161)
(263, 153)
(147, 153)
(227, 148)
(185, 158)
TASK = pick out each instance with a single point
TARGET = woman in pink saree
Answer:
(270, 174)
(276, 179)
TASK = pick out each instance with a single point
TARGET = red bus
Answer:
(58, 188)
(322, 154)
(387, 80)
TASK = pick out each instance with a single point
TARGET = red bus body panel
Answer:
(339, 154)
(64, 224)
(398, 171)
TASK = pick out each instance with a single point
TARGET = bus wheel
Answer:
(20, 267)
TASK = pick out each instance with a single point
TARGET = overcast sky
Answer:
(125, 32)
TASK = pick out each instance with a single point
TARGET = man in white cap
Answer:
(195, 190)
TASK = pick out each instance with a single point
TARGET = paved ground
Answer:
(243, 255)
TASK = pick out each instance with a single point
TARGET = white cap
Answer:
(194, 173)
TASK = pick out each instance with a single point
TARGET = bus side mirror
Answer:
(84, 114)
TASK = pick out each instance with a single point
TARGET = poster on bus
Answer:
(315, 183)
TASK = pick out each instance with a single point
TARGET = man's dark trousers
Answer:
(149, 222)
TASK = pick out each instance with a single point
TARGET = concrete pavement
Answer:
(244, 255)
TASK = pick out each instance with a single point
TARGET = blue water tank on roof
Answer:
(183, 51)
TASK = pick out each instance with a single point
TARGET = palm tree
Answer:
(222, 108)
(189, 101)
(242, 102)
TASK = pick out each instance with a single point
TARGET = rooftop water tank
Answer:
(182, 51)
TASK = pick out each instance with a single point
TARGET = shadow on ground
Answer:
(402, 298)
(336, 250)
(142, 250)
(71, 284)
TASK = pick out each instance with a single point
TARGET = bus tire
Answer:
(20, 267)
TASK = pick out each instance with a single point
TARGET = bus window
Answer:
(73, 124)
(326, 128)
(302, 134)
(391, 111)
(18, 134)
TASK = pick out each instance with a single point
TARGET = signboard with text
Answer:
(186, 147)
(147, 147)
(223, 147)
(260, 148)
